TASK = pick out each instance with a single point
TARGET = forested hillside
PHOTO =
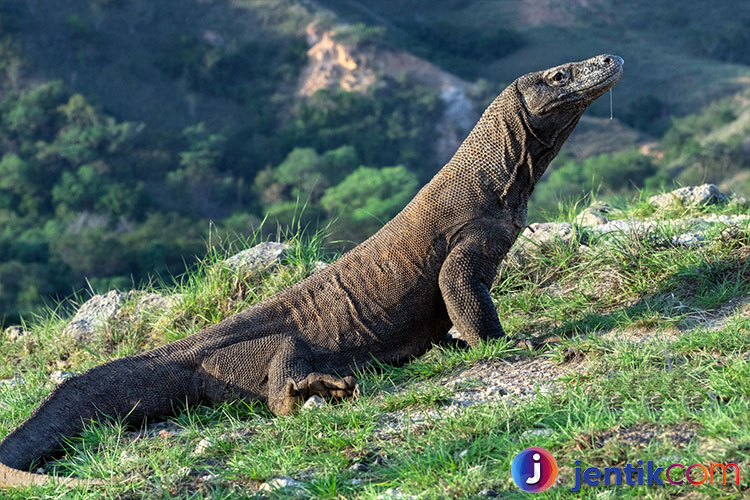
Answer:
(134, 133)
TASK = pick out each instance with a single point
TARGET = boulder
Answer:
(690, 196)
(594, 215)
(262, 257)
(740, 201)
(542, 236)
(14, 333)
(93, 314)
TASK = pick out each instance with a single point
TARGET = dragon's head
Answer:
(571, 87)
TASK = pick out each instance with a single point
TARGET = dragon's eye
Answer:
(558, 77)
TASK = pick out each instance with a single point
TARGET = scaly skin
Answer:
(388, 299)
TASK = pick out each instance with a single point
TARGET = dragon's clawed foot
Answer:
(326, 386)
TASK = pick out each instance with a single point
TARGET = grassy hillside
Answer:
(633, 347)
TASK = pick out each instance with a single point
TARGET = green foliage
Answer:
(648, 113)
(81, 30)
(392, 123)
(714, 161)
(305, 174)
(10, 16)
(369, 197)
(99, 186)
(459, 48)
(242, 72)
(729, 43)
(610, 173)
(685, 134)
(359, 33)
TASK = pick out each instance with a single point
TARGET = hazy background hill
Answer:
(126, 126)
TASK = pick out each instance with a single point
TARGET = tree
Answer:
(369, 197)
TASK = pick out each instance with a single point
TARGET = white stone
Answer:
(262, 257)
(203, 445)
(282, 483)
(689, 196)
(314, 401)
(93, 314)
(58, 376)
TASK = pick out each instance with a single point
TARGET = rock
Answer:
(144, 304)
(203, 445)
(489, 492)
(314, 401)
(594, 215)
(58, 376)
(14, 333)
(396, 494)
(209, 477)
(689, 240)
(282, 483)
(690, 196)
(93, 314)
(152, 301)
(319, 266)
(507, 380)
(164, 430)
(360, 468)
(542, 236)
(262, 257)
(12, 382)
(532, 433)
(165, 434)
(740, 201)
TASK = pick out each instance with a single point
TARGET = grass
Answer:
(651, 340)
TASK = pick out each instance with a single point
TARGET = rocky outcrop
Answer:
(333, 65)
(262, 257)
(99, 310)
(594, 215)
(690, 196)
(14, 333)
(93, 315)
(542, 236)
(594, 223)
(124, 307)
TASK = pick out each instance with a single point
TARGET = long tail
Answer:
(16, 478)
(132, 389)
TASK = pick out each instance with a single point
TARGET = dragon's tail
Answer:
(134, 388)
(16, 478)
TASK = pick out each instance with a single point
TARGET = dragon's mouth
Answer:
(590, 92)
(605, 83)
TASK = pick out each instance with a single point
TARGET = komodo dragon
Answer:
(388, 299)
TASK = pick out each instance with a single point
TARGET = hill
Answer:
(627, 341)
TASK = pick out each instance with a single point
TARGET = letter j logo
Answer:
(534, 469)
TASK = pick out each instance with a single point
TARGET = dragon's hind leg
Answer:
(293, 378)
(277, 368)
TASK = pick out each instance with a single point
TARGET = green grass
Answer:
(652, 342)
